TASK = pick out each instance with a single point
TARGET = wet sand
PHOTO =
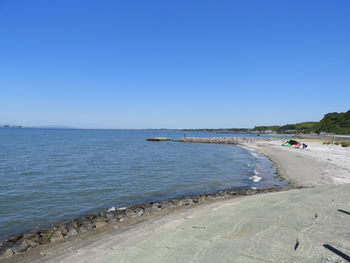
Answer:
(304, 225)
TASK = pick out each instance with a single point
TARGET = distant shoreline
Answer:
(219, 131)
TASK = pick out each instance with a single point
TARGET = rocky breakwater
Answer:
(226, 140)
(158, 139)
(30, 240)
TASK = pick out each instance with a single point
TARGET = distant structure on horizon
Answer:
(11, 126)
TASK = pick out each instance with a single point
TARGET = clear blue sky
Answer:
(174, 64)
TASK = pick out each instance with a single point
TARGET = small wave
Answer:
(254, 154)
(255, 178)
(32, 173)
(113, 208)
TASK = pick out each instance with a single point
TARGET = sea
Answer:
(51, 176)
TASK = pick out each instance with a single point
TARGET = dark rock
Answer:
(5, 251)
(187, 201)
(151, 207)
(201, 199)
(159, 139)
(251, 191)
(73, 225)
(113, 220)
(14, 239)
(99, 219)
(63, 229)
(121, 216)
(119, 211)
(44, 240)
(56, 236)
(86, 227)
(83, 221)
(167, 204)
(31, 236)
(210, 197)
(33, 242)
(116, 214)
(133, 212)
(195, 199)
(46, 233)
(20, 246)
(111, 215)
(226, 194)
(31, 239)
(71, 232)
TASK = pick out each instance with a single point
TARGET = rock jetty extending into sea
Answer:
(227, 140)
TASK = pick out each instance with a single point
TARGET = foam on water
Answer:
(111, 209)
(252, 152)
(255, 178)
(264, 171)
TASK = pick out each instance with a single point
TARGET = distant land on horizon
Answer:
(334, 122)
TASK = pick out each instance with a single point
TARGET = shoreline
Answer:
(320, 188)
(277, 173)
(277, 164)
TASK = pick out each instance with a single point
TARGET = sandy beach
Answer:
(319, 164)
(303, 225)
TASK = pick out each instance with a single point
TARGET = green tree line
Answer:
(337, 123)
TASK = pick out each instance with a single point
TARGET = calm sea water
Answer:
(50, 176)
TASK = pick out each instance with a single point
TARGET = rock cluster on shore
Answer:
(227, 140)
(33, 239)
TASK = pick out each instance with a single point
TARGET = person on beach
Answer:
(303, 146)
